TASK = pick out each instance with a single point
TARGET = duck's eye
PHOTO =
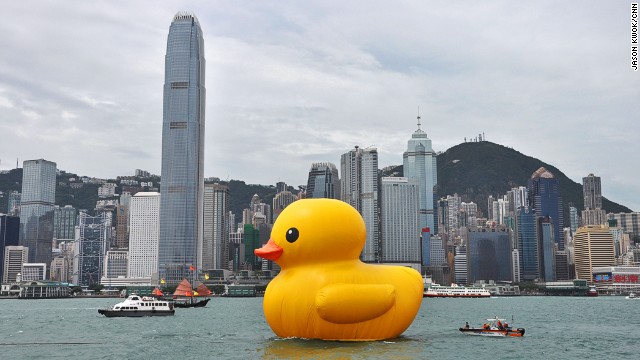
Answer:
(292, 235)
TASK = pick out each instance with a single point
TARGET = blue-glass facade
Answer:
(419, 164)
(36, 209)
(182, 181)
(323, 181)
(544, 197)
(489, 255)
(527, 235)
(548, 246)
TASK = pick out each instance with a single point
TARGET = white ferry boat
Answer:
(436, 290)
(138, 306)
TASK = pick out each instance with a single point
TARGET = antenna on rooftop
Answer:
(418, 117)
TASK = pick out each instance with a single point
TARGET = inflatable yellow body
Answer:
(323, 290)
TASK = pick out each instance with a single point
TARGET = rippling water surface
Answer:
(556, 328)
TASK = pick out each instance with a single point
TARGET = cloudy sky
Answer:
(290, 83)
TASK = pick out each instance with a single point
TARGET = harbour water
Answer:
(235, 328)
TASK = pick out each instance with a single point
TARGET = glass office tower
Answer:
(323, 181)
(36, 209)
(419, 163)
(182, 182)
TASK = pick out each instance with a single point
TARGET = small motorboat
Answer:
(493, 327)
(632, 296)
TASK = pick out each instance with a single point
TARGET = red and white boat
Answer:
(455, 291)
(493, 327)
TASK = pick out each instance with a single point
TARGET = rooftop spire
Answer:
(418, 117)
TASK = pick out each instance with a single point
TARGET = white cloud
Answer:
(289, 84)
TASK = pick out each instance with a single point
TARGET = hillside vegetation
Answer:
(473, 170)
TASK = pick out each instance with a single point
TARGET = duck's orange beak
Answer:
(270, 251)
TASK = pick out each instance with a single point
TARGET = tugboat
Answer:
(493, 327)
(138, 306)
(592, 291)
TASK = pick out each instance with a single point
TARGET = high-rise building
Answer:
(548, 249)
(359, 188)
(528, 247)
(281, 201)
(592, 192)
(144, 234)
(574, 219)
(323, 181)
(64, 219)
(181, 220)
(469, 213)
(122, 226)
(400, 227)
(251, 241)
(36, 209)
(562, 266)
(630, 222)
(9, 236)
(14, 204)
(544, 197)
(460, 265)
(14, 257)
(515, 268)
(419, 164)
(593, 246)
(489, 254)
(90, 248)
(215, 248)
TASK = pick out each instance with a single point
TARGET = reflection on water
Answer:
(294, 348)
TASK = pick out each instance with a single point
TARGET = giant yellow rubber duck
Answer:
(324, 291)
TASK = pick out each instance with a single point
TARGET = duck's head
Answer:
(315, 230)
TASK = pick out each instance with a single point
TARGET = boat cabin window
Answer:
(135, 298)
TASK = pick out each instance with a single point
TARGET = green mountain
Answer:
(475, 170)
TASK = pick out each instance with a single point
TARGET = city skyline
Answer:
(308, 82)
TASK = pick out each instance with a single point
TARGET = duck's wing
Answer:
(352, 303)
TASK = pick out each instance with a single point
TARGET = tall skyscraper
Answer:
(544, 197)
(593, 247)
(215, 249)
(528, 246)
(592, 192)
(359, 188)
(323, 181)
(548, 249)
(36, 209)
(182, 180)
(90, 248)
(399, 213)
(419, 163)
(144, 234)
